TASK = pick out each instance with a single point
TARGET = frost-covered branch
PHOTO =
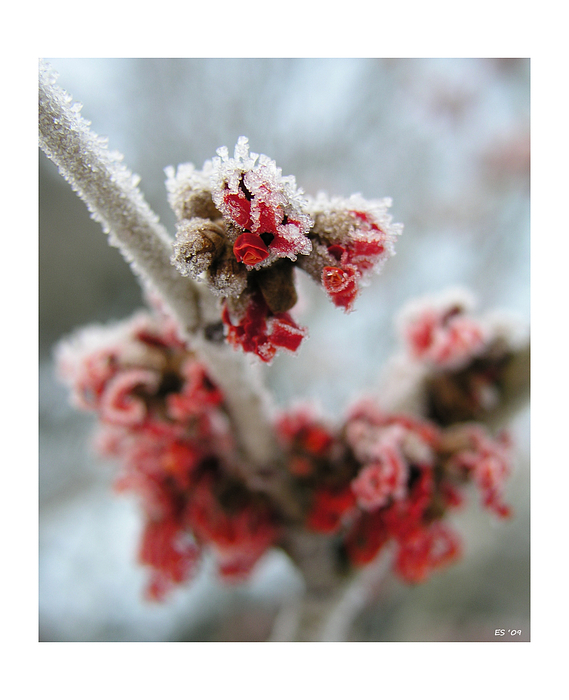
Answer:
(111, 193)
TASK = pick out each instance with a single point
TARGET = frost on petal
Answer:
(381, 480)
(253, 195)
(87, 360)
(351, 239)
(440, 331)
(488, 461)
(120, 404)
(261, 332)
(341, 285)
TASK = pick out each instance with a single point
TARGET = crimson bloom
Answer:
(250, 249)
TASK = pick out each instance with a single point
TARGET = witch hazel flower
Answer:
(425, 550)
(239, 208)
(351, 238)
(383, 478)
(237, 525)
(386, 445)
(164, 419)
(171, 555)
(487, 461)
(441, 332)
(260, 331)
(266, 209)
(243, 228)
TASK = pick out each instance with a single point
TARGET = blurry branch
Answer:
(112, 196)
(361, 591)
(516, 388)
(327, 614)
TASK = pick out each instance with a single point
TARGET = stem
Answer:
(327, 613)
(359, 593)
(112, 196)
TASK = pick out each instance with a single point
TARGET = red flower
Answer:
(488, 461)
(119, 403)
(171, 554)
(251, 193)
(425, 550)
(250, 249)
(238, 208)
(328, 508)
(441, 332)
(262, 332)
(238, 538)
(341, 286)
(381, 480)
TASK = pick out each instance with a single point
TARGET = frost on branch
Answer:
(245, 228)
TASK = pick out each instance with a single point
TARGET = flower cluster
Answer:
(391, 479)
(164, 419)
(468, 363)
(379, 479)
(245, 228)
(351, 238)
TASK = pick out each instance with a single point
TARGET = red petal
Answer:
(250, 249)
(239, 209)
(341, 286)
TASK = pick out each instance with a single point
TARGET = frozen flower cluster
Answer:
(390, 479)
(441, 331)
(467, 361)
(380, 478)
(163, 418)
(245, 228)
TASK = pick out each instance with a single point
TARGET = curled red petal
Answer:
(341, 286)
(285, 333)
(250, 249)
(267, 219)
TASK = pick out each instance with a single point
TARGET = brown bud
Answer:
(199, 203)
(277, 286)
(226, 276)
(199, 242)
(333, 226)
(315, 262)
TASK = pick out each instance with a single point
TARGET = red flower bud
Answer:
(250, 249)
(341, 285)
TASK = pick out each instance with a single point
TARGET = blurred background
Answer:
(448, 140)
